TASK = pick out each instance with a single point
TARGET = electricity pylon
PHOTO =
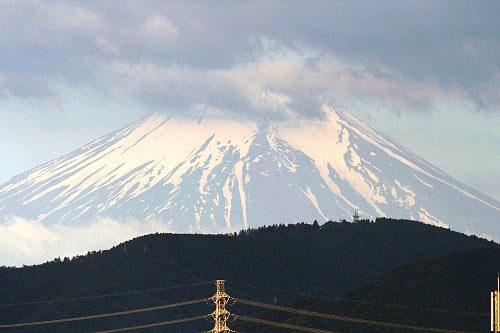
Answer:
(220, 315)
(495, 308)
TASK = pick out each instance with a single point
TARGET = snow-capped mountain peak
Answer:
(214, 175)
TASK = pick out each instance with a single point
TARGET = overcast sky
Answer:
(426, 73)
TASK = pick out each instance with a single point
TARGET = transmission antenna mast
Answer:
(221, 315)
(356, 215)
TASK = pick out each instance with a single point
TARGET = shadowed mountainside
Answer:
(325, 260)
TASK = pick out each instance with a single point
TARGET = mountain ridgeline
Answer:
(218, 176)
(338, 261)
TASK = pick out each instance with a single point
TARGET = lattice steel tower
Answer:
(356, 215)
(220, 315)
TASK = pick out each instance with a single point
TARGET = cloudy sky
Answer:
(424, 72)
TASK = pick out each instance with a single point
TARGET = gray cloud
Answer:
(404, 55)
(274, 87)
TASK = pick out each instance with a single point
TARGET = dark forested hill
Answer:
(448, 293)
(166, 268)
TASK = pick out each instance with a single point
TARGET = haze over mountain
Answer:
(215, 175)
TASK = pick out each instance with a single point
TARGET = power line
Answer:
(349, 300)
(103, 315)
(241, 301)
(283, 325)
(126, 293)
(163, 323)
(344, 318)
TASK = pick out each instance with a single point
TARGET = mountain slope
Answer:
(448, 293)
(257, 264)
(217, 176)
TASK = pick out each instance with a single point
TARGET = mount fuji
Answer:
(213, 175)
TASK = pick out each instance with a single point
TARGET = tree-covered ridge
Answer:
(329, 259)
(448, 293)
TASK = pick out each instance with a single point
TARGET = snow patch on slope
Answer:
(213, 175)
